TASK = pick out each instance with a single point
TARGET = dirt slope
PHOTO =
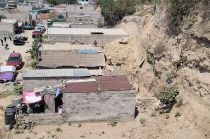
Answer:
(161, 51)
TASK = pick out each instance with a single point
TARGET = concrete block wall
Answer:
(6, 29)
(99, 106)
(86, 39)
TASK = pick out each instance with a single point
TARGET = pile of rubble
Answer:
(27, 124)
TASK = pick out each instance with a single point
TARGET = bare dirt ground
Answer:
(76, 131)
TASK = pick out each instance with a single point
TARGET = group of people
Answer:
(4, 40)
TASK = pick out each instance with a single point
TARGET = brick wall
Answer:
(99, 106)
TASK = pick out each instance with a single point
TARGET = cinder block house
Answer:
(107, 98)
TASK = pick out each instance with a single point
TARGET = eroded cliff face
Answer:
(156, 58)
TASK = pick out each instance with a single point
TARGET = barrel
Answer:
(10, 114)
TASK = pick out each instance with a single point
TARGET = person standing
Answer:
(5, 39)
(95, 43)
(2, 42)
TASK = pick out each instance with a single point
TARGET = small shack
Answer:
(84, 35)
(107, 98)
(70, 59)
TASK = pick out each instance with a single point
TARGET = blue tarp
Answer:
(88, 52)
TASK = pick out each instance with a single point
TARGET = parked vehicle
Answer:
(18, 40)
(41, 28)
(7, 73)
(49, 22)
(15, 59)
(23, 36)
(28, 26)
(37, 33)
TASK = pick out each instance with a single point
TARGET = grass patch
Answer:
(142, 121)
(58, 129)
(114, 123)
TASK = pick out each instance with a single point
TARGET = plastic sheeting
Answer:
(31, 97)
(87, 52)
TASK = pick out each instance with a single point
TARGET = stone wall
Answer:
(43, 118)
(99, 106)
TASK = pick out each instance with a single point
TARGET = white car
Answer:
(42, 29)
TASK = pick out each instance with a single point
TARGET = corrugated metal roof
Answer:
(81, 87)
(61, 58)
(113, 83)
(102, 84)
(98, 72)
(50, 73)
(81, 72)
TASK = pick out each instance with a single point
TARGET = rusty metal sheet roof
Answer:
(81, 87)
(56, 59)
(102, 84)
(113, 83)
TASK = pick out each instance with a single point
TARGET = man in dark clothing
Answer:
(5, 38)
(95, 43)
(2, 43)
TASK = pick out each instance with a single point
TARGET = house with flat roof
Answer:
(70, 59)
(8, 26)
(84, 35)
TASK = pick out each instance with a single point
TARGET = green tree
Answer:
(114, 10)
(18, 89)
(35, 49)
(167, 95)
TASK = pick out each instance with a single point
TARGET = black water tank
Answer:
(10, 114)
